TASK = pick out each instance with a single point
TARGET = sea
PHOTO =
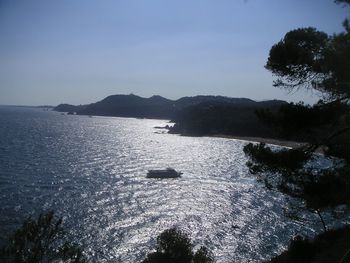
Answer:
(91, 171)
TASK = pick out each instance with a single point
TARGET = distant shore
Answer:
(284, 143)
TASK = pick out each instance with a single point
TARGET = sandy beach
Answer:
(284, 143)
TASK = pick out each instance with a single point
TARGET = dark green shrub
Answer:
(42, 240)
(174, 246)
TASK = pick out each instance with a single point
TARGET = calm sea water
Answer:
(92, 172)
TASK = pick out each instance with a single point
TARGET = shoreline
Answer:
(277, 142)
(256, 139)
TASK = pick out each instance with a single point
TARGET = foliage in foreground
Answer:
(285, 170)
(174, 246)
(42, 240)
(310, 59)
(329, 247)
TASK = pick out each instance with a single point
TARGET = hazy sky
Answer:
(79, 51)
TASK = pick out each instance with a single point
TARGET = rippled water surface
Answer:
(92, 172)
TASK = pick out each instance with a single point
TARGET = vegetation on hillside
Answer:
(306, 123)
(212, 118)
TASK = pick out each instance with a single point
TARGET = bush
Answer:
(331, 246)
(174, 246)
(42, 240)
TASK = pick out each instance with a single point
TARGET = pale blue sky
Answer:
(79, 51)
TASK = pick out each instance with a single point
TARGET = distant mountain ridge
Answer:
(157, 106)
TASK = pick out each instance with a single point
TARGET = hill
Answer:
(156, 107)
(195, 116)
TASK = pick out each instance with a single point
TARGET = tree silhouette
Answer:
(174, 246)
(308, 58)
(42, 240)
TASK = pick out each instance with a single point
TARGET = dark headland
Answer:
(193, 116)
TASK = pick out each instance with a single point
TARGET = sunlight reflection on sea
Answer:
(92, 172)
